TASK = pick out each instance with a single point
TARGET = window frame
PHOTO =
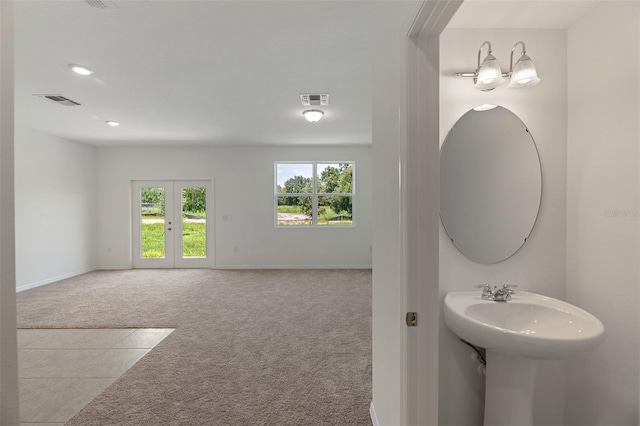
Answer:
(315, 194)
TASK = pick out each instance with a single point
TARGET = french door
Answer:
(170, 226)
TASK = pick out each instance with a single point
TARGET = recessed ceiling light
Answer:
(113, 123)
(80, 69)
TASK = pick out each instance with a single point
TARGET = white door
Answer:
(170, 226)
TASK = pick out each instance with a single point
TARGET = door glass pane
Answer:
(194, 222)
(152, 223)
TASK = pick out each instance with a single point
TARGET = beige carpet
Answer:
(269, 347)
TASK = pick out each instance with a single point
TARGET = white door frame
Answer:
(9, 411)
(420, 197)
(173, 225)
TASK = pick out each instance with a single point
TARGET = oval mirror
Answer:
(490, 184)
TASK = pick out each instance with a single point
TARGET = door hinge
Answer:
(412, 319)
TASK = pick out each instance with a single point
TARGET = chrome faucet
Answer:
(487, 293)
(502, 294)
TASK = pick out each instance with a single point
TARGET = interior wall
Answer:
(55, 183)
(539, 266)
(9, 403)
(389, 156)
(245, 233)
(603, 234)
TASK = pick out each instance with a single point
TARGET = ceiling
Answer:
(534, 14)
(196, 72)
(217, 72)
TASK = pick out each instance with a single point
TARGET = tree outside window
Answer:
(314, 194)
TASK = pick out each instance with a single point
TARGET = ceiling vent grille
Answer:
(98, 4)
(59, 99)
(313, 100)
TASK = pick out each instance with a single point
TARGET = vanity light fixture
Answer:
(113, 123)
(488, 75)
(524, 73)
(485, 107)
(313, 115)
(80, 69)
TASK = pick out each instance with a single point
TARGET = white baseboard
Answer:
(52, 280)
(124, 267)
(292, 267)
(119, 268)
(113, 268)
(372, 414)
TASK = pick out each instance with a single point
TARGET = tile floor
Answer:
(62, 370)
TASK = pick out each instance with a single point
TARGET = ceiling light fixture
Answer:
(488, 74)
(80, 69)
(524, 73)
(313, 115)
(113, 123)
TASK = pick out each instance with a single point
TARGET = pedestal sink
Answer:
(516, 334)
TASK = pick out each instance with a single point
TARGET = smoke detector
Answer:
(59, 99)
(314, 100)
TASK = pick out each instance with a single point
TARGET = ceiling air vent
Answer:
(98, 4)
(59, 99)
(312, 100)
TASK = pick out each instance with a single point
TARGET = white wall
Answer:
(539, 266)
(55, 184)
(603, 232)
(389, 100)
(243, 194)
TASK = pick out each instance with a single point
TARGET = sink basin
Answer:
(516, 334)
(529, 325)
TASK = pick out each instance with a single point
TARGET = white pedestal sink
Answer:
(516, 334)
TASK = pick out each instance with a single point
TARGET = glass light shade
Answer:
(485, 107)
(313, 115)
(81, 69)
(489, 74)
(524, 73)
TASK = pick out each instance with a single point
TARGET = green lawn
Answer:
(289, 209)
(194, 240)
(326, 217)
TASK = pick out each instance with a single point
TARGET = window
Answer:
(314, 193)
